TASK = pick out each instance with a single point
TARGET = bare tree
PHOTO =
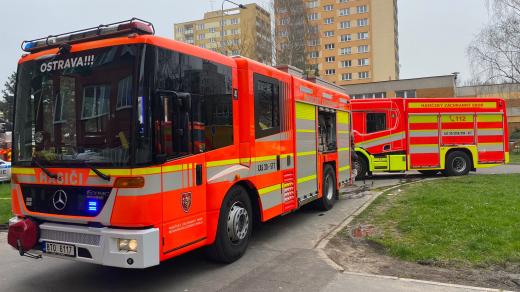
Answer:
(293, 32)
(495, 51)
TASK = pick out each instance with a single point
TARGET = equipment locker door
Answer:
(490, 138)
(306, 151)
(423, 141)
(343, 121)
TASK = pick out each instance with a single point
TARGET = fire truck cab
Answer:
(130, 149)
(449, 135)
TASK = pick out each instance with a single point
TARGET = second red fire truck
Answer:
(449, 135)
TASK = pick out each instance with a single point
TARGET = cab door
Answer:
(182, 172)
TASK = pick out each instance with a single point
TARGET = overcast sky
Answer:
(433, 35)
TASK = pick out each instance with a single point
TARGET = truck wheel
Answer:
(429, 172)
(360, 168)
(326, 202)
(234, 227)
(458, 163)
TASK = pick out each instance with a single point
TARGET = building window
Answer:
(329, 47)
(376, 122)
(345, 51)
(330, 59)
(312, 4)
(314, 54)
(362, 9)
(363, 49)
(406, 94)
(346, 76)
(201, 36)
(329, 33)
(362, 35)
(212, 30)
(313, 16)
(346, 63)
(313, 43)
(344, 24)
(363, 62)
(329, 20)
(235, 21)
(328, 7)
(343, 1)
(346, 38)
(362, 22)
(363, 75)
(369, 95)
(330, 71)
(344, 12)
(284, 33)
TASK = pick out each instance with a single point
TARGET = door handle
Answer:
(198, 174)
(386, 147)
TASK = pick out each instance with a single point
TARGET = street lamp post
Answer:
(222, 49)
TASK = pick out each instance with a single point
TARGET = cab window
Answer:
(376, 122)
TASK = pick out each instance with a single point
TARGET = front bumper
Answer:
(99, 245)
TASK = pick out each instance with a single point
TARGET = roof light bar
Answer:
(134, 25)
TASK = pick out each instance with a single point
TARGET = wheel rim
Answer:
(329, 189)
(237, 223)
(357, 168)
(459, 164)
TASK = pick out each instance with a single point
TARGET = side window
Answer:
(376, 122)
(267, 106)
(200, 103)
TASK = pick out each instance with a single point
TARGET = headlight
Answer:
(127, 244)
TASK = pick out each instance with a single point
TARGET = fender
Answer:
(368, 157)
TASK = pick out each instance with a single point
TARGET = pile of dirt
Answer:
(362, 256)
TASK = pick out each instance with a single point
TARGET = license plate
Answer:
(60, 249)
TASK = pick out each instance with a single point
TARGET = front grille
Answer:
(65, 200)
(69, 237)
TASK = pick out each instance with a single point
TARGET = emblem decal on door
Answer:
(186, 202)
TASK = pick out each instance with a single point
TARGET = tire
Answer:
(326, 202)
(458, 163)
(235, 226)
(429, 172)
(361, 168)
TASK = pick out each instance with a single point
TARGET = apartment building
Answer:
(342, 41)
(247, 32)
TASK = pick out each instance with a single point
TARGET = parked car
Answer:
(5, 171)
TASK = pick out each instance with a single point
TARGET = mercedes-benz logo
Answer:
(59, 200)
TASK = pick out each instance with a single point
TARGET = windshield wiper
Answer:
(96, 171)
(47, 172)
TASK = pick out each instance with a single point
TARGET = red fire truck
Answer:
(452, 135)
(130, 149)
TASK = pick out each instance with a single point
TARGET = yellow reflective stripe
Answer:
(269, 189)
(452, 105)
(424, 145)
(308, 153)
(305, 131)
(148, 170)
(305, 111)
(489, 118)
(16, 170)
(422, 119)
(491, 144)
(343, 149)
(172, 168)
(222, 162)
(306, 179)
(287, 155)
(245, 160)
(343, 117)
(343, 132)
(263, 158)
(116, 172)
(344, 168)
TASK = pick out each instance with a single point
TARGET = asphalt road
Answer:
(282, 256)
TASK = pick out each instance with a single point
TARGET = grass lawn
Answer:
(515, 157)
(474, 220)
(5, 203)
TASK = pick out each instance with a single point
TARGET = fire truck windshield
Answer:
(77, 107)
